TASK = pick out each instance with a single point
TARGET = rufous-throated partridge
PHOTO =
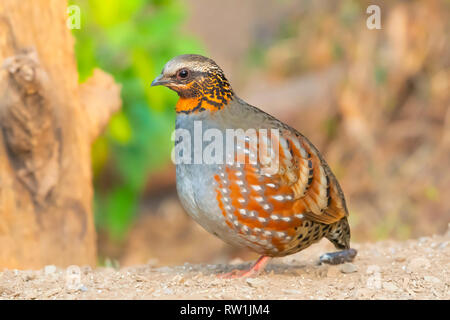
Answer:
(275, 202)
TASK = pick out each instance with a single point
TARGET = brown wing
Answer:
(316, 190)
(305, 175)
(268, 208)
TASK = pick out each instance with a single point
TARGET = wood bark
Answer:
(47, 124)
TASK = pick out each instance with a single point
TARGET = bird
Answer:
(273, 210)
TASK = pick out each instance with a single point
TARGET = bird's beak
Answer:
(159, 81)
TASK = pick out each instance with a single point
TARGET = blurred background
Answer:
(375, 102)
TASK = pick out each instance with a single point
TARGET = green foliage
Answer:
(131, 40)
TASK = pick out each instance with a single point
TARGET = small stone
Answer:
(83, 288)
(140, 278)
(236, 261)
(187, 283)
(400, 258)
(253, 282)
(348, 268)
(50, 269)
(291, 291)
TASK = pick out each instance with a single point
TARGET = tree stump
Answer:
(47, 124)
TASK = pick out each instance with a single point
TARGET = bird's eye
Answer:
(183, 74)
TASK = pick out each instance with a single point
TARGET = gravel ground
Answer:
(414, 269)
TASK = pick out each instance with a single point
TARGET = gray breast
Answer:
(196, 185)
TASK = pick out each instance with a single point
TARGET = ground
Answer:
(414, 269)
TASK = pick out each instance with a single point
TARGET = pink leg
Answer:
(259, 265)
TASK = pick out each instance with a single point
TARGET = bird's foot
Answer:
(236, 274)
(253, 271)
(338, 257)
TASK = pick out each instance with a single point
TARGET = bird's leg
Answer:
(259, 265)
(338, 257)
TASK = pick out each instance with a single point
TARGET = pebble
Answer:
(291, 291)
(348, 268)
(140, 278)
(187, 283)
(254, 283)
(400, 258)
(83, 288)
(236, 261)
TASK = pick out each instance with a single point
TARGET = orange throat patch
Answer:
(198, 104)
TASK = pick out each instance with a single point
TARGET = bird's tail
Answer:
(339, 234)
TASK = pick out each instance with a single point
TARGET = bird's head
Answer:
(199, 81)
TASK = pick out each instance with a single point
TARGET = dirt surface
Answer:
(415, 269)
